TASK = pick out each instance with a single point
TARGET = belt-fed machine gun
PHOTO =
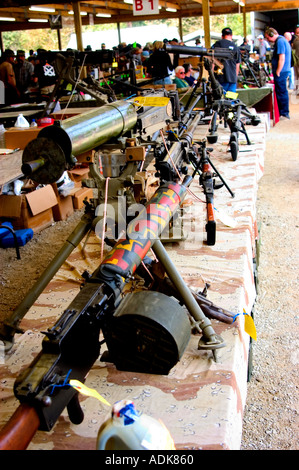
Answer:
(233, 112)
(140, 332)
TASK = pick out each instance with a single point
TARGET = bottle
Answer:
(127, 429)
(33, 123)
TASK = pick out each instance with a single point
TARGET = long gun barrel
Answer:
(219, 53)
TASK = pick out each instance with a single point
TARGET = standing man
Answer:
(7, 76)
(231, 66)
(24, 72)
(281, 66)
(295, 47)
(262, 48)
(290, 79)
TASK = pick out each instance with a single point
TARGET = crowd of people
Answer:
(19, 74)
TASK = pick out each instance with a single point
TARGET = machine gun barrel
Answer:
(219, 53)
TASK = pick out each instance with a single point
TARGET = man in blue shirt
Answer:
(231, 66)
(281, 66)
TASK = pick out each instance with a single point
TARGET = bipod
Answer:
(203, 167)
(206, 159)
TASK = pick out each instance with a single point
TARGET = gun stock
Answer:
(20, 429)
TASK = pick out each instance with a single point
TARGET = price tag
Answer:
(151, 101)
(231, 94)
(249, 326)
(145, 7)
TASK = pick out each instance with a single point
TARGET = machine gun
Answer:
(230, 110)
(252, 73)
(207, 174)
(138, 338)
(234, 114)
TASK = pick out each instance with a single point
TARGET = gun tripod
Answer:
(207, 181)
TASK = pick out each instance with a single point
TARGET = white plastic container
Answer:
(129, 430)
(21, 122)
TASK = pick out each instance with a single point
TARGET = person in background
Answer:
(198, 42)
(159, 65)
(262, 48)
(229, 77)
(179, 79)
(245, 46)
(145, 55)
(7, 76)
(281, 64)
(175, 60)
(136, 53)
(188, 74)
(290, 78)
(24, 72)
(295, 50)
(45, 74)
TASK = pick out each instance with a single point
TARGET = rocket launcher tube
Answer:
(143, 231)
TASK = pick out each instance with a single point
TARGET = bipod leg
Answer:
(243, 130)
(209, 338)
(220, 177)
(10, 326)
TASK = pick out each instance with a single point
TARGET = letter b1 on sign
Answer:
(145, 7)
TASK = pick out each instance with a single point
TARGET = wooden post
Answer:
(118, 32)
(59, 39)
(244, 22)
(206, 22)
(180, 28)
(78, 25)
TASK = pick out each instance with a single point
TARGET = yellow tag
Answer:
(231, 94)
(151, 101)
(90, 392)
(249, 326)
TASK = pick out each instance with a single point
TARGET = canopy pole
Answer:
(206, 22)
(78, 25)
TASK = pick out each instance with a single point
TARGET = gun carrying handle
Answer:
(20, 429)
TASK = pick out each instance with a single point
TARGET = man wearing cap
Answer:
(229, 77)
(281, 65)
(263, 46)
(24, 72)
(7, 76)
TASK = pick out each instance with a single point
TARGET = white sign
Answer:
(145, 7)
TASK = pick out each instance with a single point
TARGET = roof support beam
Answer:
(206, 22)
(78, 25)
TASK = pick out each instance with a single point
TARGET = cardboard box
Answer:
(19, 138)
(78, 174)
(64, 207)
(32, 210)
(80, 195)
